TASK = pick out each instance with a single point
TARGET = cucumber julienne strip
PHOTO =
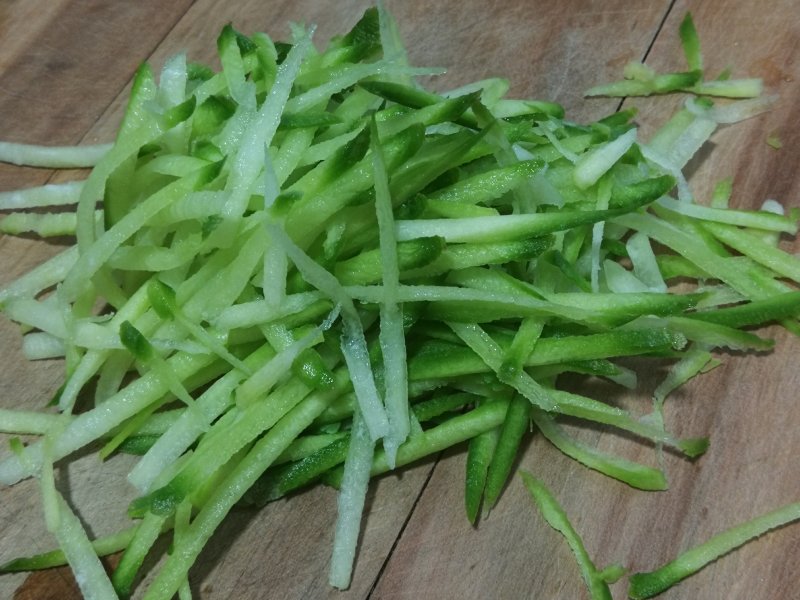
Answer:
(634, 474)
(297, 182)
(51, 194)
(558, 520)
(507, 227)
(17, 421)
(391, 336)
(53, 157)
(479, 457)
(515, 424)
(102, 546)
(647, 585)
(351, 503)
(90, 575)
(42, 277)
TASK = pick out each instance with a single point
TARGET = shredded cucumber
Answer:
(306, 267)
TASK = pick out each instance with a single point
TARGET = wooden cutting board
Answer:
(64, 70)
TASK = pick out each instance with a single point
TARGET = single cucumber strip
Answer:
(53, 157)
(434, 360)
(666, 83)
(525, 339)
(147, 531)
(722, 194)
(55, 558)
(516, 304)
(620, 281)
(595, 163)
(603, 198)
(50, 194)
(516, 423)
(233, 68)
(479, 457)
(453, 431)
(307, 445)
(558, 520)
(72, 538)
(350, 76)
(43, 225)
(695, 361)
(484, 187)
(259, 312)
(89, 572)
(392, 335)
(732, 88)
(366, 268)
(732, 112)
(351, 503)
(634, 474)
(463, 256)
(756, 219)
(645, 264)
(276, 268)
(40, 345)
(500, 228)
(280, 481)
(391, 42)
(182, 517)
(751, 245)
(455, 210)
(775, 308)
(428, 410)
(647, 585)
(41, 277)
(30, 422)
(716, 335)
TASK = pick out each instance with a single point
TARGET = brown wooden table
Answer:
(64, 70)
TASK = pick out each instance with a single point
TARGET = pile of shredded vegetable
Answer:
(307, 268)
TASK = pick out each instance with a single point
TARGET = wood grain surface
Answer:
(64, 70)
